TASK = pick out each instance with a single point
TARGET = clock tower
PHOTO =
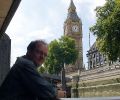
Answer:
(73, 29)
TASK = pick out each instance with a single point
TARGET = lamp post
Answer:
(63, 79)
(77, 85)
(75, 80)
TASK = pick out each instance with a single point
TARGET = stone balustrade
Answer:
(93, 98)
(102, 81)
(101, 69)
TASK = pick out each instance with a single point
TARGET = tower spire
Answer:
(89, 40)
(72, 6)
(72, 12)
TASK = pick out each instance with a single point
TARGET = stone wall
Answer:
(98, 91)
(98, 83)
(5, 49)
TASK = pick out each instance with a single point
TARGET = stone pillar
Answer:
(5, 49)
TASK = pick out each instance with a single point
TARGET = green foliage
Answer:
(41, 69)
(69, 53)
(51, 64)
(107, 29)
(60, 51)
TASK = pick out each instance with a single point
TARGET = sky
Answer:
(44, 19)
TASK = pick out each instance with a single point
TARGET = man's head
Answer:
(37, 51)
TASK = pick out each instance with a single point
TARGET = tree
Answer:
(41, 69)
(51, 63)
(61, 52)
(107, 29)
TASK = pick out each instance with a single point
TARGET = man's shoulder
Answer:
(22, 62)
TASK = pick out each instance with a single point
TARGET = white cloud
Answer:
(95, 4)
(45, 34)
(90, 5)
(19, 43)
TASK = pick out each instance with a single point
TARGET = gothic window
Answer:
(93, 64)
(97, 54)
(90, 67)
(100, 57)
(101, 62)
(97, 59)
(90, 64)
(90, 56)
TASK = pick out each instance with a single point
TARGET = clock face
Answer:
(75, 28)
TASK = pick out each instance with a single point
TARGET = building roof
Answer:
(93, 46)
(7, 10)
(72, 12)
(92, 49)
(72, 6)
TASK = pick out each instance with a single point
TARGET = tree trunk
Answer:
(63, 79)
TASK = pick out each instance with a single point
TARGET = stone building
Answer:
(101, 79)
(95, 58)
(73, 29)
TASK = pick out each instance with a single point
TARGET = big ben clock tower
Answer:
(73, 29)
